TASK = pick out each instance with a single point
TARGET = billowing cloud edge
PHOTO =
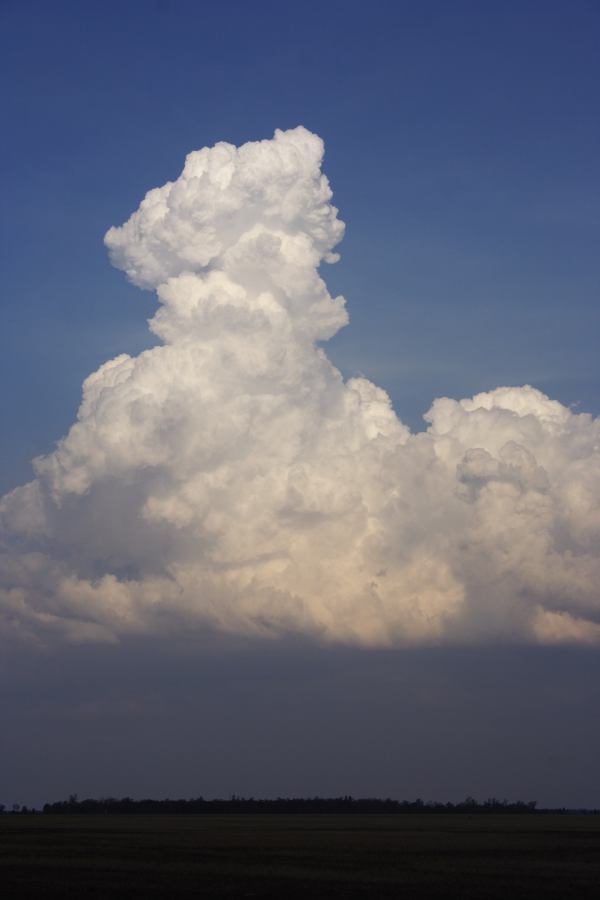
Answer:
(230, 478)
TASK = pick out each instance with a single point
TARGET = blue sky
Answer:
(462, 144)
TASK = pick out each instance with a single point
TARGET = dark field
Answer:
(286, 856)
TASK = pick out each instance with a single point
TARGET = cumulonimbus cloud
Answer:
(230, 478)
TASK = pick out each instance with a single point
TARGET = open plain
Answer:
(235, 856)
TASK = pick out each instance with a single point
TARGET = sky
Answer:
(434, 629)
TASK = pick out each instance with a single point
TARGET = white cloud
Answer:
(230, 478)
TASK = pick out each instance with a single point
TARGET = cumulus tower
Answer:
(230, 478)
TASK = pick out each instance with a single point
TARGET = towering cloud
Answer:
(229, 478)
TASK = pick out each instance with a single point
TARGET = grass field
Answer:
(285, 856)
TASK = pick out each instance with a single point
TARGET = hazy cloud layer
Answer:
(189, 717)
(231, 479)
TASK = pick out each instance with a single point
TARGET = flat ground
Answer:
(290, 857)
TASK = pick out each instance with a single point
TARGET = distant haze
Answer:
(177, 718)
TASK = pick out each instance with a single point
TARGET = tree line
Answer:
(293, 805)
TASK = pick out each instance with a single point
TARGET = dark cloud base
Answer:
(257, 719)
